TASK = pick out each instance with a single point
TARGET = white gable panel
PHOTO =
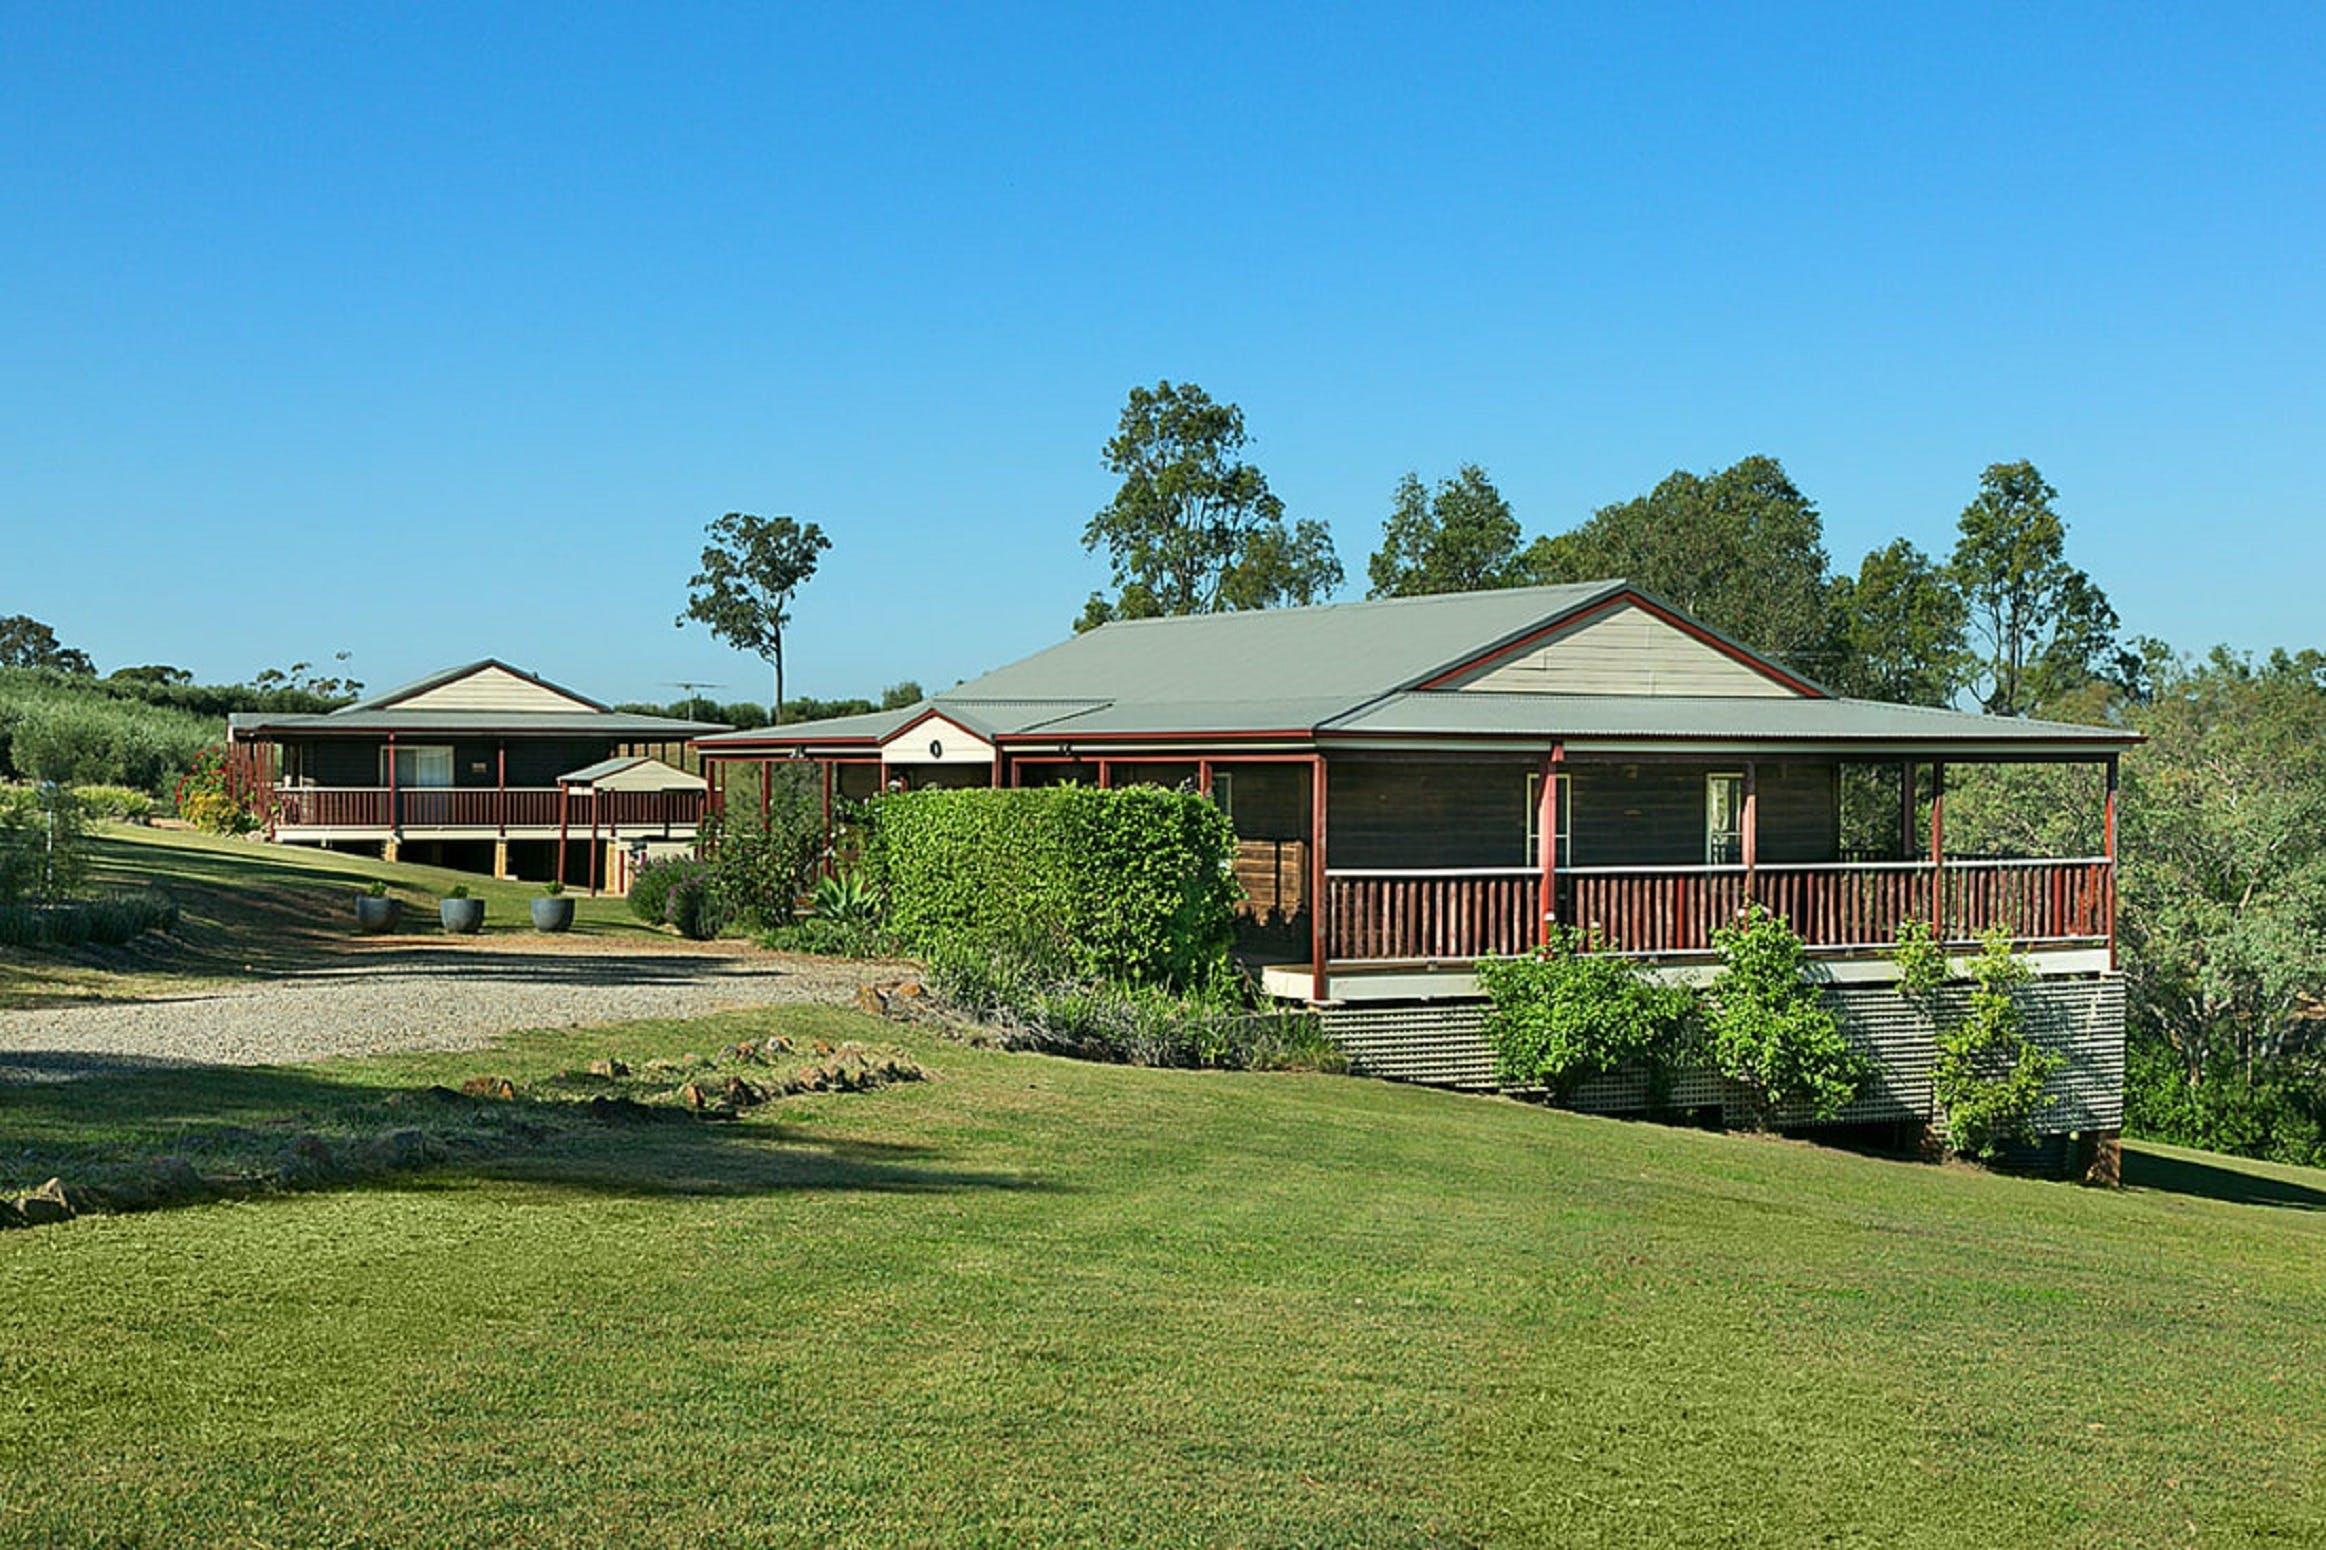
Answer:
(936, 740)
(493, 688)
(1626, 650)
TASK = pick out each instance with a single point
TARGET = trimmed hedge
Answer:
(1136, 885)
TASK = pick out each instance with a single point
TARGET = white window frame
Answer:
(1223, 792)
(1713, 835)
(391, 753)
(1563, 843)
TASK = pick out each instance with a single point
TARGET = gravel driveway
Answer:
(409, 998)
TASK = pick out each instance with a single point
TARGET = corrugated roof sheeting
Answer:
(1454, 714)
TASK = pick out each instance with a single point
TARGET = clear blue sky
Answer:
(428, 332)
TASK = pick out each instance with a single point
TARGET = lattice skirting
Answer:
(1443, 1044)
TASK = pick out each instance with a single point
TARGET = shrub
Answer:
(1987, 1077)
(107, 921)
(760, 864)
(122, 804)
(1135, 885)
(826, 938)
(694, 904)
(2281, 1118)
(42, 851)
(208, 799)
(1768, 1029)
(1039, 1008)
(1563, 1015)
(650, 888)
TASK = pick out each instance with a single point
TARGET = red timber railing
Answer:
(1460, 913)
(478, 807)
(1376, 916)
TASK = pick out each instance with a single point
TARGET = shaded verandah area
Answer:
(1375, 858)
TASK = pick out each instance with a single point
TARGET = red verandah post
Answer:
(1316, 877)
(1938, 851)
(2108, 837)
(1547, 846)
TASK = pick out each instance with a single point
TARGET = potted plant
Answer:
(375, 913)
(553, 911)
(461, 914)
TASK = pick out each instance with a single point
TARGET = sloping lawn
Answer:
(1032, 1302)
(252, 908)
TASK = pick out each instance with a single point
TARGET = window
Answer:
(1223, 792)
(419, 765)
(1723, 819)
(1534, 819)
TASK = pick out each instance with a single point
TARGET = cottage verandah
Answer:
(484, 767)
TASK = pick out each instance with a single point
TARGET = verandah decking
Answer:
(1450, 915)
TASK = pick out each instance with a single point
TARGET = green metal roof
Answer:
(1346, 650)
(1351, 670)
(353, 721)
(1700, 717)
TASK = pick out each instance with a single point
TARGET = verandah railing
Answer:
(478, 807)
(1456, 914)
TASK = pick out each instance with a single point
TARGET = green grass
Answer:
(1036, 1302)
(252, 908)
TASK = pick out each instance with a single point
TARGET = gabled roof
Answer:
(1353, 671)
(401, 709)
(452, 675)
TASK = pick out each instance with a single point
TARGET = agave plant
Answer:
(847, 899)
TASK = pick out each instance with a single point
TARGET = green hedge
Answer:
(1136, 885)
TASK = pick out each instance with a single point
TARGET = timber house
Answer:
(483, 767)
(1419, 783)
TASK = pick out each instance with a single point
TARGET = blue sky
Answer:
(433, 332)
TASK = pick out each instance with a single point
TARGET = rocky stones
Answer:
(401, 1149)
(612, 1070)
(46, 1205)
(309, 1157)
(903, 999)
(174, 1178)
(497, 1087)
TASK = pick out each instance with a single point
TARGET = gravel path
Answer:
(408, 999)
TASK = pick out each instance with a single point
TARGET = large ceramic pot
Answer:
(377, 915)
(552, 912)
(463, 917)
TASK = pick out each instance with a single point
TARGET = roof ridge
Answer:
(1471, 595)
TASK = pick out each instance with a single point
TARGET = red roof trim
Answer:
(1647, 605)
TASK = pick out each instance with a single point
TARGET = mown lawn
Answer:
(1033, 1302)
(251, 908)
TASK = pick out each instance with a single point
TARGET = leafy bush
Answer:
(122, 804)
(1038, 1007)
(1135, 885)
(650, 888)
(695, 906)
(108, 921)
(761, 863)
(1769, 1031)
(1563, 1015)
(827, 938)
(42, 852)
(2278, 1116)
(207, 797)
(1987, 1077)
